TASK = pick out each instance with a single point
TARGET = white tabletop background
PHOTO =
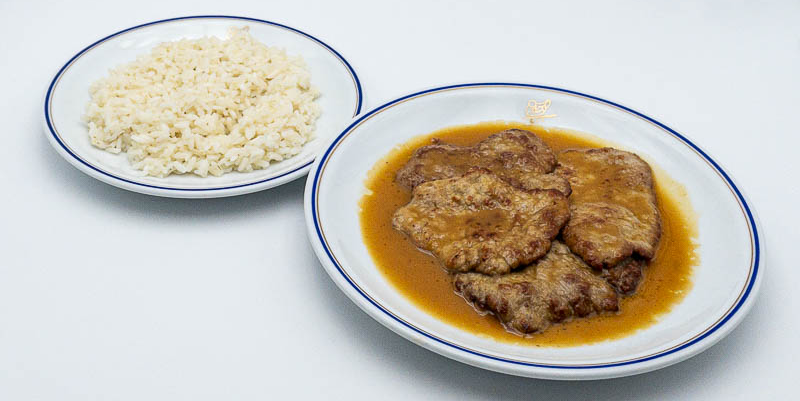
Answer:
(111, 295)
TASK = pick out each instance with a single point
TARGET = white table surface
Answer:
(112, 295)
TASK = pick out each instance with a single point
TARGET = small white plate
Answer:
(68, 93)
(724, 284)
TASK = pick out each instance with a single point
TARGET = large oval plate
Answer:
(724, 284)
(68, 94)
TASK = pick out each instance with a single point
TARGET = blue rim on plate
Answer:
(54, 82)
(754, 270)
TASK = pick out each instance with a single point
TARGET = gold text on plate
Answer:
(538, 110)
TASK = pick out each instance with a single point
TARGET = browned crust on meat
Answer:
(517, 156)
(556, 288)
(479, 222)
(625, 276)
(614, 213)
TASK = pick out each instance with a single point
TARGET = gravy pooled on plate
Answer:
(421, 277)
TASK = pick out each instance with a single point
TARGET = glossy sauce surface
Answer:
(421, 278)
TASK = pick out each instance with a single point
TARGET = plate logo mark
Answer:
(538, 110)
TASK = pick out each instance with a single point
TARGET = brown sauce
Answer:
(421, 278)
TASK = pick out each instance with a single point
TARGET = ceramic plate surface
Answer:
(725, 282)
(68, 94)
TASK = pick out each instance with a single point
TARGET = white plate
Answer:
(724, 284)
(68, 94)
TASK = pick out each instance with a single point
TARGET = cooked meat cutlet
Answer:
(613, 206)
(519, 157)
(625, 275)
(479, 222)
(558, 286)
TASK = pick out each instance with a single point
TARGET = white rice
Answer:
(205, 106)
